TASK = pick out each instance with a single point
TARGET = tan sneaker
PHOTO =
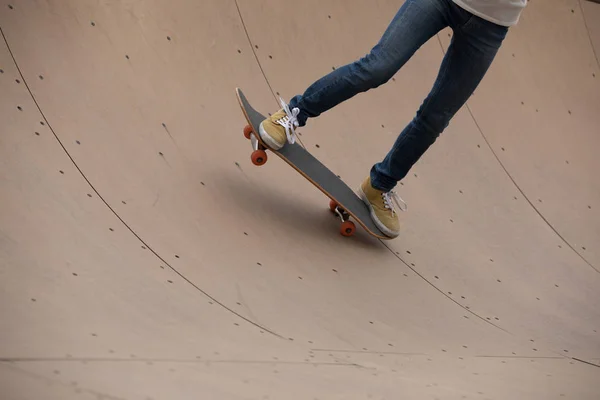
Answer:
(382, 208)
(280, 127)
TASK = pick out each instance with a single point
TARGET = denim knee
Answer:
(372, 70)
(431, 124)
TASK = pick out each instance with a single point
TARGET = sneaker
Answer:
(280, 127)
(381, 205)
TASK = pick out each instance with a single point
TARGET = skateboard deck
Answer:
(344, 202)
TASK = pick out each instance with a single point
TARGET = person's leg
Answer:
(473, 48)
(415, 22)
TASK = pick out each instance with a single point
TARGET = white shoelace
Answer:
(290, 121)
(391, 198)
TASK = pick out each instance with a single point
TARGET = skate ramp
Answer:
(143, 256)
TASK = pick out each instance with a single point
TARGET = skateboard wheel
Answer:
(332, 205)
(347, 228)
(248, 131)
(259, 157)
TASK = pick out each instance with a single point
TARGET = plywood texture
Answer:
(143, 256)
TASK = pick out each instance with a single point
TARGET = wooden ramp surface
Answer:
(143, 256)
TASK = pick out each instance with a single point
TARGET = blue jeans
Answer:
(474, 45)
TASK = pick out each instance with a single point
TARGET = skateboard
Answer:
(344, 202)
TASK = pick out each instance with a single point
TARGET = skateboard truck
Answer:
(347, 228)
(344, 216)
(259, 155)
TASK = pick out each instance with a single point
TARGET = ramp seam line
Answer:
(264, 74)
(587, 30)
(113, 211)
(253, 51)
(470, 111)
(441, 291)
(172, 360)
(586, 362)
(538, 212)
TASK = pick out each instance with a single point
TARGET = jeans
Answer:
(474, 45)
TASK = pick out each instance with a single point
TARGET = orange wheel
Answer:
(248, 131)
(259, 157)
(348, 228)
(332, 205)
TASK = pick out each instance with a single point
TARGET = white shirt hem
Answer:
(486, 17)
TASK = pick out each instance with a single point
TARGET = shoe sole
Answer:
(272, 144)
(376, 220)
